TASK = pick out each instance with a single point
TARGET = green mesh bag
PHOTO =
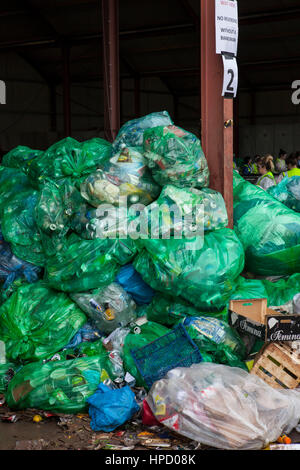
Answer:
(60, 386)
(81, 265)
(20, 157)
(175, 156)
(201, 270)
(20, 229)
(36, 322)
(69, 158)
(268, 230)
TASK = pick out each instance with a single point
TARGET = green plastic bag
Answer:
(178, 212)
(175, 156)
(20, 229)
(56, 205)
(268, 230)
(21, 157)
(202, 271)
(217, 339)
(36, 322)
(150, 331)
(12, 182)
(287, 192)
(60, 386)
(170, 311)
(124, 178)
(69, 158)
(81, 265)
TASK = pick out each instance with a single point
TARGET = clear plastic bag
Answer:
(132, 132)
(223, 407)
(109, 308)
(125, 176)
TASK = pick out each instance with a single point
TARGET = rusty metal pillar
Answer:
(111, 72)
(66, 90)
(217, 140)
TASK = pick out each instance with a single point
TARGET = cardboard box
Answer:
(252, 316)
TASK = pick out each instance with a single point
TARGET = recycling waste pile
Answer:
(172, 330)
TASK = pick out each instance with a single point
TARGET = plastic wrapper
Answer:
(21, 157)
(125, 178)
(223, 407)
(7, 371)
(61, 386)
(12, 182)
(217, 339)
(169, 310)
(268, 230)
(81, 265)
(69, 158)
(134, 285)
(202, 271)
(109, 408)
(36, 322)
(132, 132)
(108, 308)
(12, 268)
(287, 192)
(20, 229)
(296, 304)
(179, 212)
(175, 156)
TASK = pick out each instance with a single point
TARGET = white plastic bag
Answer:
(223, 407)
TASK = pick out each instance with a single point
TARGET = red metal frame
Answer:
(111, 72)
(217, 140)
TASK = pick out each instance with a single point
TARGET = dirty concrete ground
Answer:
(73, 432)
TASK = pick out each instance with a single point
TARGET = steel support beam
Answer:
(66, 90)
(111, 68)
(217, 140)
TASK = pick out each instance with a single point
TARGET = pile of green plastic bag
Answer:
(76, 323)
(268, 230)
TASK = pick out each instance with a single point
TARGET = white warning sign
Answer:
(227, 27)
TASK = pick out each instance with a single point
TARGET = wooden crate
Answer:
(278, 365)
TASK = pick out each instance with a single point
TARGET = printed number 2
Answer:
(229, 87)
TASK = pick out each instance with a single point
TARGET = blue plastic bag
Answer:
(86, 333)
(12, 268)
(110, 409)
(133, 284)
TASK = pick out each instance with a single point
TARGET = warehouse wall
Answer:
(268, 121)
(26, 117)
